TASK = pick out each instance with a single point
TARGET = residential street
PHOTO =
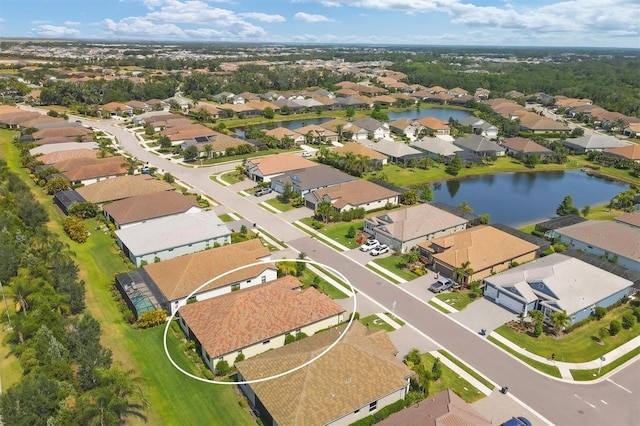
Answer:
(613, 401)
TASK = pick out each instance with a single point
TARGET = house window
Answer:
(248, 281)
(373, 406)
(235, 287)
(264, 279)
(357, 411)
(266, 342)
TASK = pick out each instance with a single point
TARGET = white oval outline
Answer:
(263, 379)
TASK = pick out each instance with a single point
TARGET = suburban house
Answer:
(282, 132)
(443, 408)
(116, 109)
(437, 126)
(526, 147)
(71, 132)
(65, 146)
(377, 159)
(593, 142)
(69, 154)
(556, 283)
(317, 134)
(167, 284)
(402, 229)
(485, 249)
(312, 396)
(373, 129)
(535, 123)
(614, 240)
(142, 208)
(480, 127)
(396, 152)
(172, 236)
(631, 219)
(355, 194)
(122, 187)
(629, 152)
(479, 145)
(88, 170)
(65, 199)
(257, 319)
(436, 148)
(303, 181)
(266, 168)
(406, 127)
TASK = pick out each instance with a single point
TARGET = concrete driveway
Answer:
(483, 313)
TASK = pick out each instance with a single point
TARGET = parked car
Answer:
(262, 191)
(381, 249)
(307, 154)
(441, 285)
(517, 421)
(370, 244)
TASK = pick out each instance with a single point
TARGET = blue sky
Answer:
(592, 23)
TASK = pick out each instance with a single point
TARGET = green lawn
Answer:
(580, 345)
(450, 380)
(396, 265)
(99, 259)
(456, 299)
(230, 178)
(528, 228)
(373, 321)
(472, 372)
(619, 174)
(378, 272)
(225, 217)
(338, 231)
(413, 176)
(586, 375)
(277, 204)
(308, 278)
(540, 366)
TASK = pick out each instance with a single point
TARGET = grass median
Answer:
(469, 370)
(592, 374)
(540, 366)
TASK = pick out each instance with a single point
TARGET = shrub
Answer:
(316, 225)
(636, 313)
(289, 338)
(628, 321)
(351, 233)
(222, 368)
(75, 229)
(152, 318)
(599, 312)
(537, 329)
(356, 316)
(436, 370)
(239, 358)
(614, 327)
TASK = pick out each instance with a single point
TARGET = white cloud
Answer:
(263, 17)
(71, 23)
(140, 27)
(54, 31)
(311, 18)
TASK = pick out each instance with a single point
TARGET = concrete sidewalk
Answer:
(566, 367)
(462, 373)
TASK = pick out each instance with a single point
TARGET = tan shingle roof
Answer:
(524, 145)
(613, 237)
(631, 152)
(355, 193)
(434, 123)
(178, 277)
(250, 316)
(358, 370)
(281, 163)
(122, 187)
(149, 206)
(61, 132)
(56, 157)
(482, 246)
(358, 149)
(96, 170)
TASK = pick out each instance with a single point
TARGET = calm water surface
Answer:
(517, 199)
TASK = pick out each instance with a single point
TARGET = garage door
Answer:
(509, 303)
(491, 292)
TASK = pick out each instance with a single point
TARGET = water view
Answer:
(413, 114)
(518, 199)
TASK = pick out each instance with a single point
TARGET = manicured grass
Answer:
(374, 321)
(396, 265)
(277, 204)
(229, 177)
(413, 176)
(469, 370)
(585, 375)
(141, 350)
(544, 368)
(325, 287)
(378, 272)
(580, 345)
(226, 218)
(395, 318)
(450, 380)
(528, 228)
(604, 213)
(438, 307)
(271, 237)
(456, 299)
(338, 231)
(619, 174)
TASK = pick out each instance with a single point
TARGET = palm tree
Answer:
(560, 320)
(117, 396)
(324, 210)
(208, 150)
(464, 272)
(361, 164)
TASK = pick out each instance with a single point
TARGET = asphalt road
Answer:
(614, 401)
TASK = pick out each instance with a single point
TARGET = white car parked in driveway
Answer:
(380, 249)
(370, 244)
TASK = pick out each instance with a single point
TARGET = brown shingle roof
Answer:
(178, 277)
(359, 149)
(524, 145)
(482, 246)
(96, 170)
(122, 187)
(56, 157)
(359, 369)
(355, 193)
(630, 152)
(281, 163)
(434, 123)
(250, 316)
(149, 206)
(61, 131)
